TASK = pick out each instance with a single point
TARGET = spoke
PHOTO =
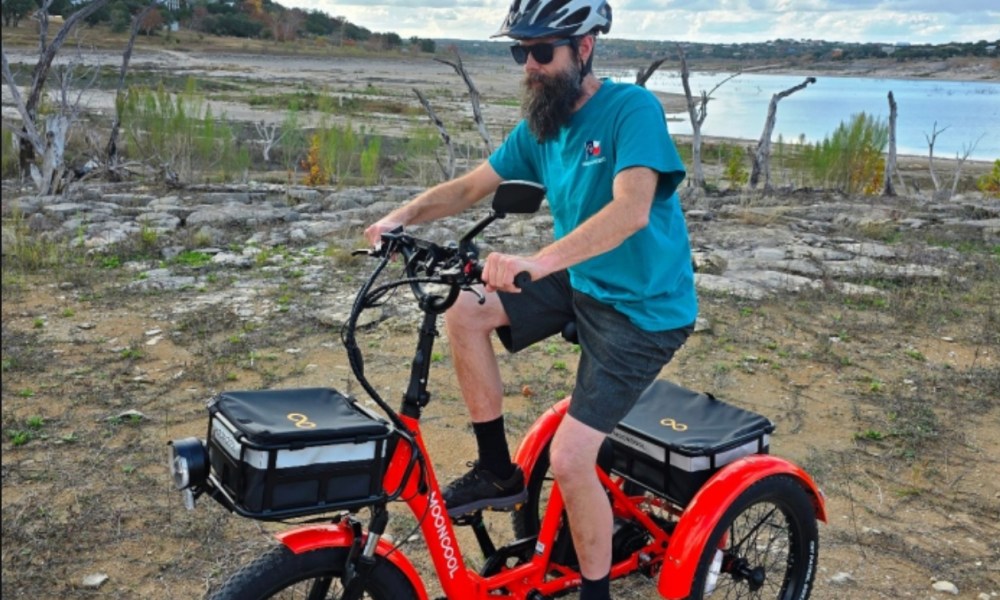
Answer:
(753, 531)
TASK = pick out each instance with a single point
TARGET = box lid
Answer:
(270, 417)
(689, 422)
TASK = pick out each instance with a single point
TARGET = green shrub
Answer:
(370, 159)
(736, 170)
(180, 132)
(988, 183)
(851, 159)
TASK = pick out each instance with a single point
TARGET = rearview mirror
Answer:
(518, 197)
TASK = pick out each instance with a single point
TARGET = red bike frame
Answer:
(675, 554)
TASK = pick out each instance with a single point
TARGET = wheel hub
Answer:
(754, 576)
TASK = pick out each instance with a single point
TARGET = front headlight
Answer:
(188, 463)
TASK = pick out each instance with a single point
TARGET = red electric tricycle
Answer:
(700, 507)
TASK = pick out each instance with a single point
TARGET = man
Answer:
(620, 266)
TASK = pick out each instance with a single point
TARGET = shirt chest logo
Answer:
(592, 153)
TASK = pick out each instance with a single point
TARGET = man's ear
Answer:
(586, 48)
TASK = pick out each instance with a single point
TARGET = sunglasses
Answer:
(543, 53)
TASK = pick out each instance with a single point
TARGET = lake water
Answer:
(964, 111)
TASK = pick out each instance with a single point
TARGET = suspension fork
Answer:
(361, 557)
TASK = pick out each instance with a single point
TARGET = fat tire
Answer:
(275, 573)
(776, 497)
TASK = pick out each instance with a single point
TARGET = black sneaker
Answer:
(480, 489)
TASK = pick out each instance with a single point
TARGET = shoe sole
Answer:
(505, 503)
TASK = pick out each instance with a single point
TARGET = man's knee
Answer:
(467, 315)
(573, 453)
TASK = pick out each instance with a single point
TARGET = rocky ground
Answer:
(867, 328)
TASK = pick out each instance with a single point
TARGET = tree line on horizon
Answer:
(267, 19)
(785, 50)
(255, 19)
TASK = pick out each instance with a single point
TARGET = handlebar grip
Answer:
(522, 279)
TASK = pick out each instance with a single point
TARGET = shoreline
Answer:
(496, 80)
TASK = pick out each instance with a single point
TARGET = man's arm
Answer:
(442, 200)
(627, 213)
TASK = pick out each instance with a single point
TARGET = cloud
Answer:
(710, 21)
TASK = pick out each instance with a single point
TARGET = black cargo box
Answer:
(283, 453)
(674, 439)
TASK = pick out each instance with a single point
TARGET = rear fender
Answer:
(338, 535)
(707, 508)
(539, 435)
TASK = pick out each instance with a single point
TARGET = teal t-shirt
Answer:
(649, 276)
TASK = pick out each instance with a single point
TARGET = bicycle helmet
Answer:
(530, 19)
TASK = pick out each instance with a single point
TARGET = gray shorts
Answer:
(617, 360)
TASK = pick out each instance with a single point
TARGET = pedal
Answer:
(468, 519)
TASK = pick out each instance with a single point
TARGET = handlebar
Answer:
(454, 265)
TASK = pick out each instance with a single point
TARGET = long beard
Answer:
(547, 101)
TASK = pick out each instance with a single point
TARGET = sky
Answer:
(709, 21)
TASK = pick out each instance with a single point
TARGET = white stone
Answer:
(946, 587)
(841, 578)
(94, 581)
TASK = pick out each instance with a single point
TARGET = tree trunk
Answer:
(931, 140)
(697, 112)
(52, 177)
(762, 156)
(473, 98)
(449, 171)
(890, 162)
(47, 54)
(697, 117)
(111, 151)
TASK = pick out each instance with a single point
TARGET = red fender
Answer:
(314, 537)
(706, 509)
(539, 435)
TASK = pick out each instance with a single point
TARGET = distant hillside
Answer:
(777, 50)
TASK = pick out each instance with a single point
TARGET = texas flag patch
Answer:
(593, 148)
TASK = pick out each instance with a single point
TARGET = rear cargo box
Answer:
(674, 439)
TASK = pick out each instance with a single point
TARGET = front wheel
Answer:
(316, 574)
(765, 546)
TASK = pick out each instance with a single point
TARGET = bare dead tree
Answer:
(931, 140)
(47, 53)
(643, 75)
(270, 134)
(477, 113)
(36, 138)
(449, 171)
(697, 111)
(762, 155)
(966, 152)
(890, 162)
(111, 150)
(939, 192)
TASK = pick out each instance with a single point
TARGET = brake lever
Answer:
(481, 297)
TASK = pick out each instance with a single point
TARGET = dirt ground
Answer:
(892, 405)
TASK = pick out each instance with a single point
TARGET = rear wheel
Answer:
(765, 546)
(313, 575)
